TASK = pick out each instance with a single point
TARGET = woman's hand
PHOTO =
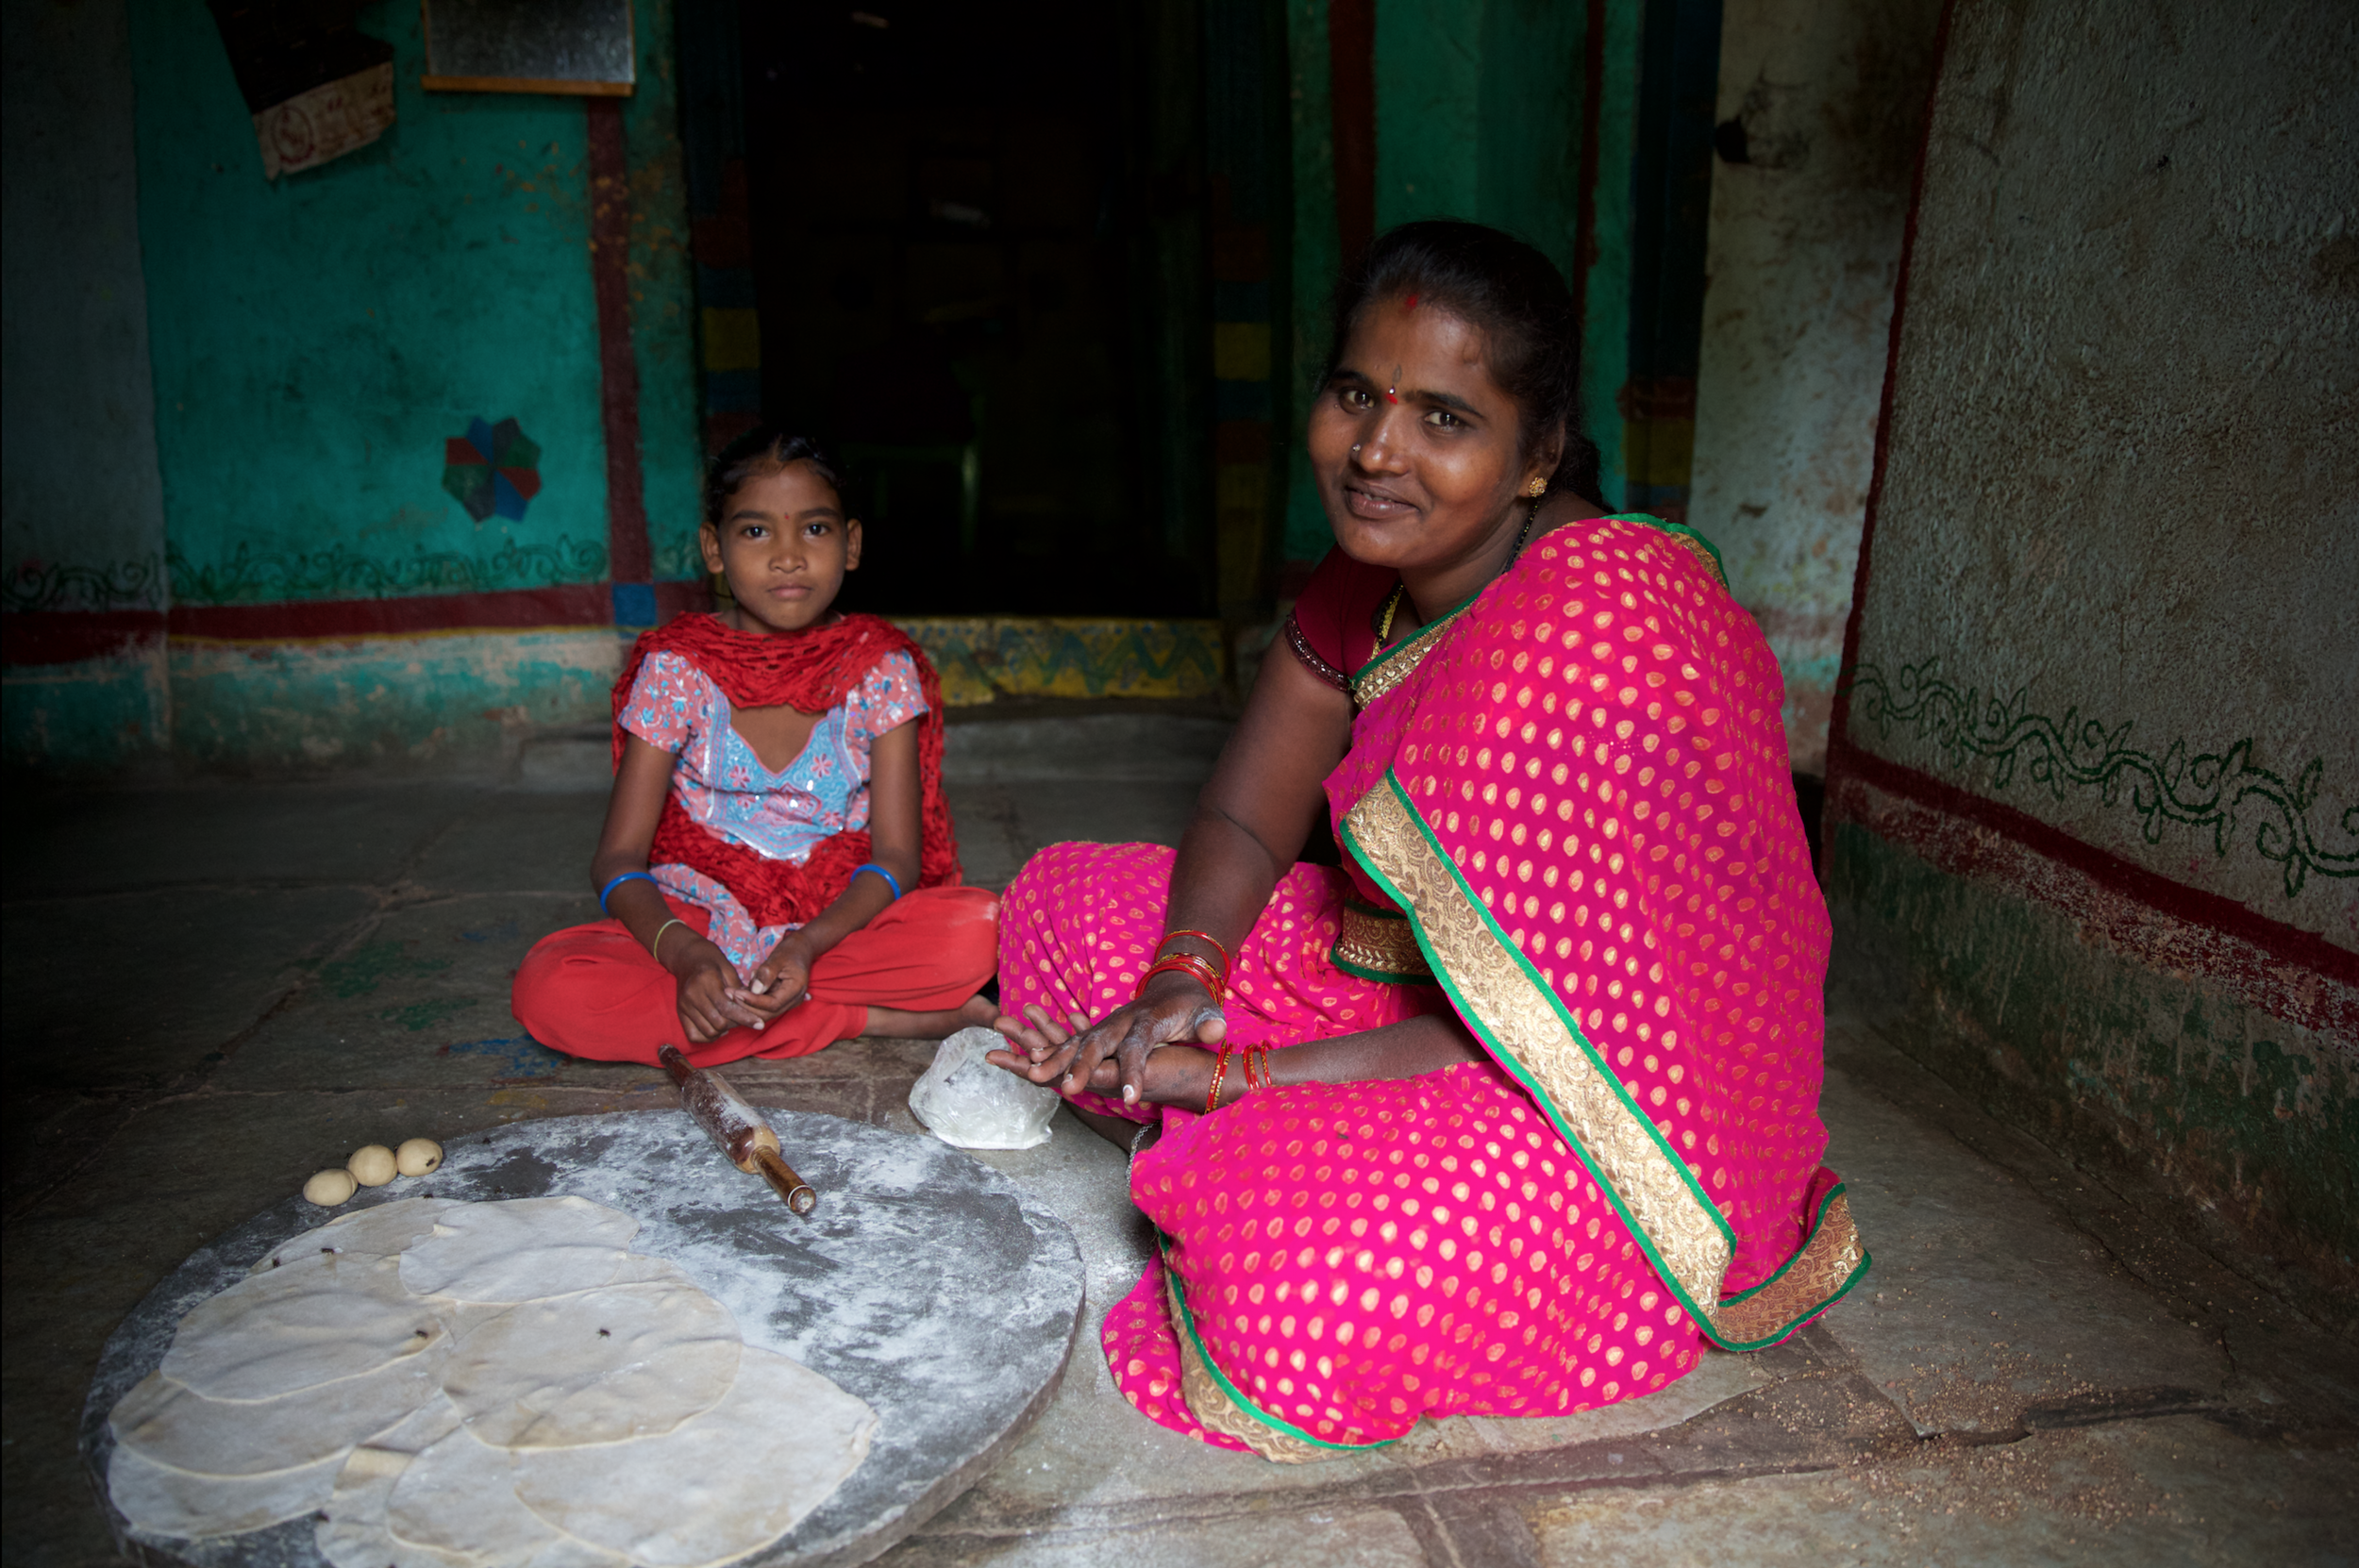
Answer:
(712, 1000)
(1171, 1074)
(1112, 1057)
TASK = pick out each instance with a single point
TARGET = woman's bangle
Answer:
(1198, 970)
(657, 942)
(1220, 1067)
(891, 881)
(627, 877)
(1209, 940)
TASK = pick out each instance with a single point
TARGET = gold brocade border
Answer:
(1387, 670)
(1828, 1263)
(1527, 1031)
(1213, 1410)
(1379, 946)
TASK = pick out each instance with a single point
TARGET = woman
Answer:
(1517, 1111)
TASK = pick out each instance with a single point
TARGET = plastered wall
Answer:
(231, 401)
(81, 503)
(1821, 107)
(2094, 781)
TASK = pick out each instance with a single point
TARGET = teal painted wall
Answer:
(316, 339)
(1304, 533)
(1605, 322)
(393, 704)
(304, 349)
(1480, 115)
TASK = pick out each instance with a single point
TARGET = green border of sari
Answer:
(1694, 1278)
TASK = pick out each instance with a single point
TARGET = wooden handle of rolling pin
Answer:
(730, 1120)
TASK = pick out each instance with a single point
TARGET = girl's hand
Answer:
(713, 1001)
(784, 977)
(1174, 1008)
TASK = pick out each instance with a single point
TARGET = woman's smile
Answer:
(1376, 503)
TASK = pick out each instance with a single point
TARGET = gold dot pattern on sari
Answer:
(1599, 756)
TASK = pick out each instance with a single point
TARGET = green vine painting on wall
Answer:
(35, 586)
(2222, 791)
(252, 576)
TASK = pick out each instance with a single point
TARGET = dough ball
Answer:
(372, 1165)
(330, 1187)
(418, 1157)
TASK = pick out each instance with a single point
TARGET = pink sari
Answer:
(1575, 790)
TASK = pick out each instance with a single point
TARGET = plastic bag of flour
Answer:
(965, 1101)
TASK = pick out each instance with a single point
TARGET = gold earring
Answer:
(1539, 487)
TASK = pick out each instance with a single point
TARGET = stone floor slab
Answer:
(133, 990)
(1983, 1299)
(2174, 1491)
(277, 834)
(419, 1000)
(1327, 1537)
(514, 842)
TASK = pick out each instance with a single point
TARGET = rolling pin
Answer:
(738, 1127)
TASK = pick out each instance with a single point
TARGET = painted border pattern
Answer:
(38, 585)
(339, 572)
(2222, 791)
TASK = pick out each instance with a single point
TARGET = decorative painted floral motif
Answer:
(2222, 791)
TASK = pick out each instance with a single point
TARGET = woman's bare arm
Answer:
(1249, 826)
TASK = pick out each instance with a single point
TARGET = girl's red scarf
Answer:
(812, 672)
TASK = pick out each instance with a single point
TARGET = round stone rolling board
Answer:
(925, 1283)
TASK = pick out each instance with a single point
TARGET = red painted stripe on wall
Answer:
(68, 637)
(628, 554)
(1937, 834)
(62, 637)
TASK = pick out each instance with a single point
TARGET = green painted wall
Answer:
(1304, 534)
(2253, 1119)
(315, 341)
(1480, 115)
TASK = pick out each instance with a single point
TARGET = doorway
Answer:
(964, 220)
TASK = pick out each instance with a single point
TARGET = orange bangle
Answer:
(1220, 1068)
(1209, 940)
(1196, 969)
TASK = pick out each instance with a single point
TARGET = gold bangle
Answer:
(658, 942)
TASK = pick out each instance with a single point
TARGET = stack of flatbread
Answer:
(481, 1384)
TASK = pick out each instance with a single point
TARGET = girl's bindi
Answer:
(1392, 393)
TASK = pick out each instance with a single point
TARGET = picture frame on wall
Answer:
(581, 47)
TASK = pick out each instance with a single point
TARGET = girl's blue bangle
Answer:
(891, 881)
(627, 877)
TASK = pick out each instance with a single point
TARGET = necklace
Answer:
(1400, 591)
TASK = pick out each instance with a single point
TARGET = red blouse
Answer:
(1332, 629)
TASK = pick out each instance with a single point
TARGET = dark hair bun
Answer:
(1511, 293)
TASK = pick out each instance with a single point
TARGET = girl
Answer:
(778, 865)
